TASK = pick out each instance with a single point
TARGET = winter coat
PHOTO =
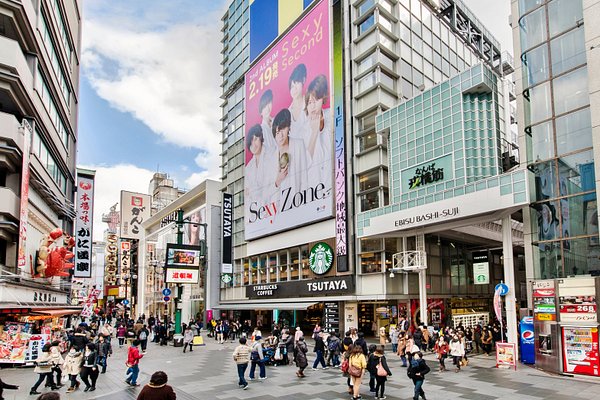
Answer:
(133, 355)
(418, 337)
(362, 343)
(241, 354)
(441, 350)
(417, 367)
(257, 346)
(380, 358)
(121, 332)
(319, 344)
(104, 349)
(289, 344)
(55, 357)
(301, 350)
(73, 362)
(90, 360)
(456, 348)
(157, 392)
(188, 336)
(43, 364)
(79, 340)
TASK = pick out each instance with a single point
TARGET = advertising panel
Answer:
(24, 204)
(505, 355)
(343, 285)
(111, 267)
(135, 209)
(580, 350)
(527, 339)
(226, 266)
(577, 300)
(269, 19)
(289, 130)
(83, 225)
(183, 256)
(544, 300)
(481, 268)
(176, 275)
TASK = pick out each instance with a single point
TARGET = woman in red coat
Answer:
(157, 389)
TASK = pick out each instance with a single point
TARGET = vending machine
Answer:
(546, 327)
(580, 350)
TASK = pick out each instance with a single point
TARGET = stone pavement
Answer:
(209, 373)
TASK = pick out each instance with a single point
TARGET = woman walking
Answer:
(188, 338)
(457, 351)
(121, 331)
(72, 367)
(416, 371)
(301, 361)
(441, 351)
(43, 367)
(357, 363)
(89, 370)
(402, 347)
(382, 371)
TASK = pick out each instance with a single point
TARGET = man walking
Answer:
(133, 360)
(241, 356)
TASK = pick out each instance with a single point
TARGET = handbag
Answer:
(345, 365)
(380, 370)
(354, 371)
(277, 355)
(254, 356)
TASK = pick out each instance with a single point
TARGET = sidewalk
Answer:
(209, 373)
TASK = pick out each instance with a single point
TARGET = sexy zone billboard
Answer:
(289, 131)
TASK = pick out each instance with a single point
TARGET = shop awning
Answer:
(267, 306)
(57, 312)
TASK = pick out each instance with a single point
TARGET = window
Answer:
(367, 142)
(367, 81)
(367, 122)
(47, 38)
(365, 6)
(539, 106)
(535, 63)
(526, 5)
(50, 106)
(366, 24)
(62, 29)
(48, 162)
(533, 28)
(571, 91)
(368, 180)
(568, 51)
(574, 131)
(564, 14)
(542, 144)
(370, 256)
(369, 201)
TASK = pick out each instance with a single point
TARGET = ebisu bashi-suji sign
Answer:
(426, 174)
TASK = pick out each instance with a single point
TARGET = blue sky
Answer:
(149, 93)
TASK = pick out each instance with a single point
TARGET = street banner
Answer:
(135, 209)
(84, 224)
(24, 204)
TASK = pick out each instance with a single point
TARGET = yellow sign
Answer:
(545, 317)
(113, 292)
(198, 341)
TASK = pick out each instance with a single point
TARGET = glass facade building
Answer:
(558, 136)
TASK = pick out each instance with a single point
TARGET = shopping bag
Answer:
(277, 355)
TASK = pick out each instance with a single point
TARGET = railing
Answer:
(409, 261)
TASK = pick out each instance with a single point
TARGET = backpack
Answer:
(333, 345)
(143, 335)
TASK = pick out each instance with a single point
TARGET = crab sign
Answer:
(54, 259)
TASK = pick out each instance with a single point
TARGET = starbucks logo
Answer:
(321, 258)
(226, 278)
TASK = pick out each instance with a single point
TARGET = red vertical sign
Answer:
(27, 133)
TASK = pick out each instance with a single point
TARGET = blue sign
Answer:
(125, 302)
(166, 299)
(166, 292)
(503, 288)
(527, 338)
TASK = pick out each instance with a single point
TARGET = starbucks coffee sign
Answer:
(332, 286)
(321, 258)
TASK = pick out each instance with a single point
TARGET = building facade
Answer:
(39, 79)
(384, 54)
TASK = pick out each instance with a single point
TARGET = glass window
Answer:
(407, 89)
(568, 51)
(539, 104)
(571, 91)
(366, 24)
(526, 5)
(535, 65)
(367, 62)
(386, 79)
(367, 142)
(371, 245)
(385, 22)
(364, 7)
(369, 201)
(542, 143)
(533, 28)
(370, 263)
(545, 180)
(573, 173)
(368, 180)
(367, 122)
(564, 14)
(546, 218)
(367, 81)
(405, 16)
(574, 131)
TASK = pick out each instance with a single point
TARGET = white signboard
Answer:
(83, 226)
(481, 273)
(177, 275)
(135, 209)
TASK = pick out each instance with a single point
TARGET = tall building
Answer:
(163, 191)
(40, 54)
(417, 109)
(559, 107)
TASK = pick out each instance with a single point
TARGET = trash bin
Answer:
(178, 340)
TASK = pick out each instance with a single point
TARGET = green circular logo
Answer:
(321, 258)
(226, 278)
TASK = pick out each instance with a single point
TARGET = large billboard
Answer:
(84, 224)
(289, 130)
(135, 209)
(269, 19)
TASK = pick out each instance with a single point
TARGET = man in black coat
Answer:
(362, 343)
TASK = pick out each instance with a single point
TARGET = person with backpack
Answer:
(382, 371)
(142, 336)
(257, 358)
(417, 370)
(333, 345)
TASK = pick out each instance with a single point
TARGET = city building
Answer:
(558, 103)
(40, 51)
(200, 209)
(163, 191)
(417, 104)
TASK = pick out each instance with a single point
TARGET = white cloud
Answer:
(168, 78)
(110, 180)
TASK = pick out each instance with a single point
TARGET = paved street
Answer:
(209, 373)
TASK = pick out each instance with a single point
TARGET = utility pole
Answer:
(179, 287)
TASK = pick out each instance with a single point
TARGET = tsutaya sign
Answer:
(459, 207)
(341, 285)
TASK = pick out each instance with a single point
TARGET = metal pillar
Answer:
(178, 293)
(509, 279)
(420, 246)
